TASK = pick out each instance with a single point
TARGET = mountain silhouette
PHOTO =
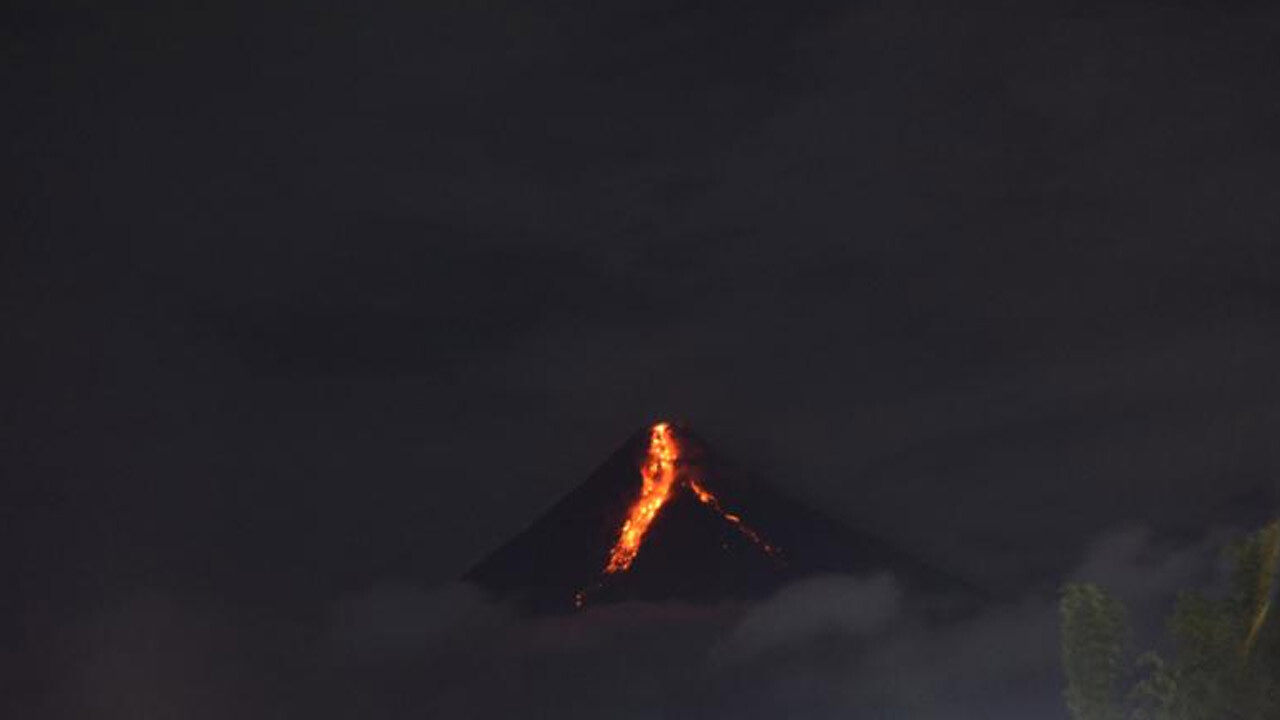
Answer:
(742, 540)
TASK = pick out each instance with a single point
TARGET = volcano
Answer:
(665, 518)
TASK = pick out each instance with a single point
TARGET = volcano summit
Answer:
(666, 519)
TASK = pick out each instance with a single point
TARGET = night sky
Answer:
(304, 303)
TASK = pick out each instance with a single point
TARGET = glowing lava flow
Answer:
(658, 475)
(658, 480)
(706, 498)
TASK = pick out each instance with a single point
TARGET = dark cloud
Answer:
(827, 646)
(399, 618)
(812, 608)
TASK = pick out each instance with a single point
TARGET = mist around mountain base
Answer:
(821, 647)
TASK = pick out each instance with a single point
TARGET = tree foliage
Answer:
(1226, 651)
(1094, 638)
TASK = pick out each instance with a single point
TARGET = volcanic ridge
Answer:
(665, 519)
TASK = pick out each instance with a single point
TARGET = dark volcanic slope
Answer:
(690, 552)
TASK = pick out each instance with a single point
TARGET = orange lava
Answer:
(710, 501)
(658, 475)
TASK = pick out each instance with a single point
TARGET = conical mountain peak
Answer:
(665, 518)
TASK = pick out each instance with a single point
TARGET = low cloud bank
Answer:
(811, 609)
(833, 646)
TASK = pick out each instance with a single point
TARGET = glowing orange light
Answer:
(658, 477)
(706, 498)
(657, 474)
